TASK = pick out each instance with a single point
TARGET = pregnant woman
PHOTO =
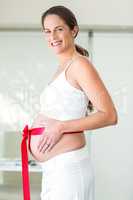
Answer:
(66, 101)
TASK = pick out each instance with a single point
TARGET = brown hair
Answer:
(70, 19)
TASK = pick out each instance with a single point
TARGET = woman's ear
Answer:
(75, 31)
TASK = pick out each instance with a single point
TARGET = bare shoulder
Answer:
(90, 81)
(83, 68)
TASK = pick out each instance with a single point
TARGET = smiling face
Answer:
(58, 34)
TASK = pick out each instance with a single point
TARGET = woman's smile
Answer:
(56, 43)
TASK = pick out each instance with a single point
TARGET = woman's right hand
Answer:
(52, 133)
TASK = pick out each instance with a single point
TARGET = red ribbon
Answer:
(24, 156)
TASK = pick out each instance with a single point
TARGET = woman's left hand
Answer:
(52, 133)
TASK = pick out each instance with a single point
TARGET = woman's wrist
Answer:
(62, 127)
(69, 126)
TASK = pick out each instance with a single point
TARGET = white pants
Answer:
(68, 176)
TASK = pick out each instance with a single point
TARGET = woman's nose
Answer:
(53, 35)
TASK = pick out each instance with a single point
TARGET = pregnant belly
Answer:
(67, 142)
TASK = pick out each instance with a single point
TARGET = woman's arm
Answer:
(94, 121)
(88, 79)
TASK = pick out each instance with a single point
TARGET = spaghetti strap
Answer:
(63, 71)
(69, 64)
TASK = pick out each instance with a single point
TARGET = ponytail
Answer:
(81, 50)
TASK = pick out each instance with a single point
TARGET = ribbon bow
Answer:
(24, 156)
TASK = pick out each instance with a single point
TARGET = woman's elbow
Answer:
(113, 117)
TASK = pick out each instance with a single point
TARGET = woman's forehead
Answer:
(52, 21)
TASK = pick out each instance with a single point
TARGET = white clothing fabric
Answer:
(68, 176)
(63, 101)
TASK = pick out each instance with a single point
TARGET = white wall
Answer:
(89, 12)
(112, 147)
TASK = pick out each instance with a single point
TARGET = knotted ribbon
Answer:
(24, 156)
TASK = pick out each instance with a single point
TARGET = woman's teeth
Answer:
(56, 43)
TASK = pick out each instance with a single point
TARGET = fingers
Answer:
(42, 138)
(49, 147)
(42, 143)
(46, 143)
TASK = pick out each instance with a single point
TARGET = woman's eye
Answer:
(46, 32)
(60, 29)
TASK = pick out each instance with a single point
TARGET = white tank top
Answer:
(62, 101)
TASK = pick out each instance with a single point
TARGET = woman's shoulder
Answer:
(83, 65)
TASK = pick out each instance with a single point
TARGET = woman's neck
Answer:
(66, 57)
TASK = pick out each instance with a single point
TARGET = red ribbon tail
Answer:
(25, 174)
(24, 155)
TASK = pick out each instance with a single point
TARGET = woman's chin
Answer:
(58, 51)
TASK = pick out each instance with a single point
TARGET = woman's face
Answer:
(58, 34)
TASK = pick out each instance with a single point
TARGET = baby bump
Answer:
(40, 156)
(66, 143)
(34, 141)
